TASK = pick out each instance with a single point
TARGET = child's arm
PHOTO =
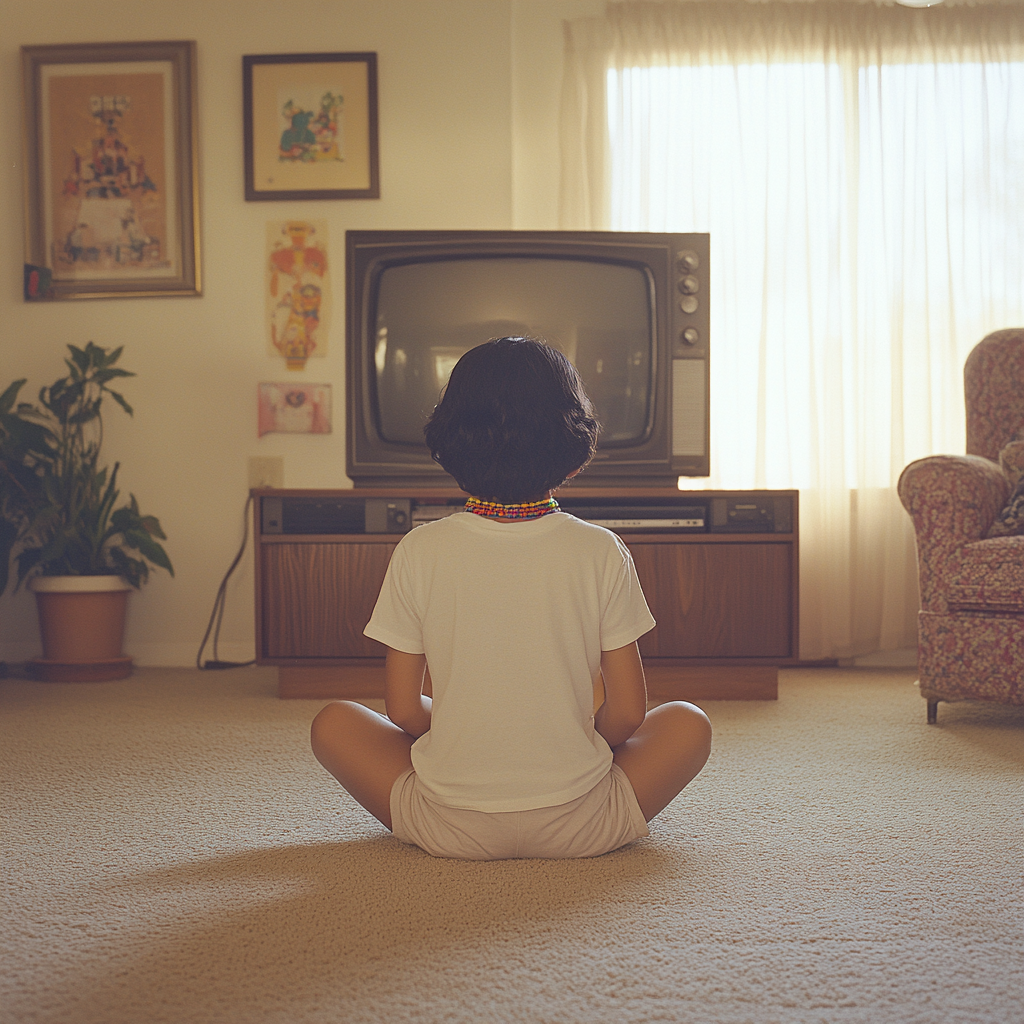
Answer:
(625, 695)
(404, 700)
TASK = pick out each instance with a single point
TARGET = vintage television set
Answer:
(630, 310)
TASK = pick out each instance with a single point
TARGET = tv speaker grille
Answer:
(689, 415)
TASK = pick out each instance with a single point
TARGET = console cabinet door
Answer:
(716, 600)
(318, 597)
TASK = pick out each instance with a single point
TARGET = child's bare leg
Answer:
(665, 753)
(364, 751)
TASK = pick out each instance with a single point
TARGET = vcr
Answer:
(739, 512)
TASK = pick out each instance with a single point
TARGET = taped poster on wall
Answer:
(294, 409)
(298, 290)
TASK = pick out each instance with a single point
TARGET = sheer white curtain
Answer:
(861, 172)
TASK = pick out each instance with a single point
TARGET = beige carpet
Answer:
(173, 853)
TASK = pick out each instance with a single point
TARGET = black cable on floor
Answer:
(217, 615)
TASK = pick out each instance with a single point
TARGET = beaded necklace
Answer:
(522, 510)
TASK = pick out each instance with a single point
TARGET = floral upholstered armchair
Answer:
(966, 512)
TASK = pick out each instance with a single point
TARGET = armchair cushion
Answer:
(1010, 520)
(989, 577)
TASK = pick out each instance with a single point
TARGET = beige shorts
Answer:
(599, 821)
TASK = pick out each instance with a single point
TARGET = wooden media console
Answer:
(726, 600)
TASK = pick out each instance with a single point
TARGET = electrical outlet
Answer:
(266, 471)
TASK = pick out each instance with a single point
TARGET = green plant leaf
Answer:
(109, 373)
(104, 358)
(8, 538)
(23, 439)
(27, 560)
(86, 412)
(121, 402)
(142, 542)
(81, 358)
(152, 526)
(8, 398)
(51, 554)
(134, 570)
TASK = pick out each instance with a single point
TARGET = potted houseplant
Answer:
(79, 550)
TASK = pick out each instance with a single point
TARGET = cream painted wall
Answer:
(536, 98)
(469, 102)
(468, 114)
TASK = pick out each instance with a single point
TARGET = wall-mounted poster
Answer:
(311, 126)
(110, 170)
(298, 290)
(294, 409)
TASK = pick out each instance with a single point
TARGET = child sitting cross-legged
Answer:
(506, 624)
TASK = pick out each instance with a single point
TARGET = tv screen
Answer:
(598, 314)
(629, 310)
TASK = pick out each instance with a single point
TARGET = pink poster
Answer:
(294, 409)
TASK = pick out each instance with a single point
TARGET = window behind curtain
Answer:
(859, 169)
(866, 227)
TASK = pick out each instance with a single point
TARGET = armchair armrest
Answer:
(958, 496)
(953, 500)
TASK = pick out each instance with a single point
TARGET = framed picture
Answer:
(311, 126)
(111, 170)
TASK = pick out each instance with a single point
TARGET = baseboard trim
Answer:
(712, 682)
(331, 682)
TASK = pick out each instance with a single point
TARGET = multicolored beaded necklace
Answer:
(522, 510)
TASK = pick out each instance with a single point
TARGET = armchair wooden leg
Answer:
(933, 712)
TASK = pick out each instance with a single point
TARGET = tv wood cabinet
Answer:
(727, 603)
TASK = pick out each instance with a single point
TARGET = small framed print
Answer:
(111, 170)
(311, 126)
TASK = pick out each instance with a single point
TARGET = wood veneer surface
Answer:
(318, 597)
(716, 601)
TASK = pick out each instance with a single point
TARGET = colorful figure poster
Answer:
(112, 205)
(294, 409)
(298, 290)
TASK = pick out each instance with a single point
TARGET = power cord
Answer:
(217, 615)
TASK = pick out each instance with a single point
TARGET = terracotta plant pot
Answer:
(81, 622)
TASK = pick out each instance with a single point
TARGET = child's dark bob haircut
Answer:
(514, 421)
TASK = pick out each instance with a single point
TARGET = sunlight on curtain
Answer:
(860, 171)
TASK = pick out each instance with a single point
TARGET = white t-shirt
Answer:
(512, 618)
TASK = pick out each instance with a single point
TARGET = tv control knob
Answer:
(689, 304)
(689, 285)
(690, 336)
(687, 261)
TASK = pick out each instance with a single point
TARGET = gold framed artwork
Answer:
(111, 170)
(311, 126)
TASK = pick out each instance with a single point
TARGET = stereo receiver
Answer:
(738, 512)
(298, 515)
